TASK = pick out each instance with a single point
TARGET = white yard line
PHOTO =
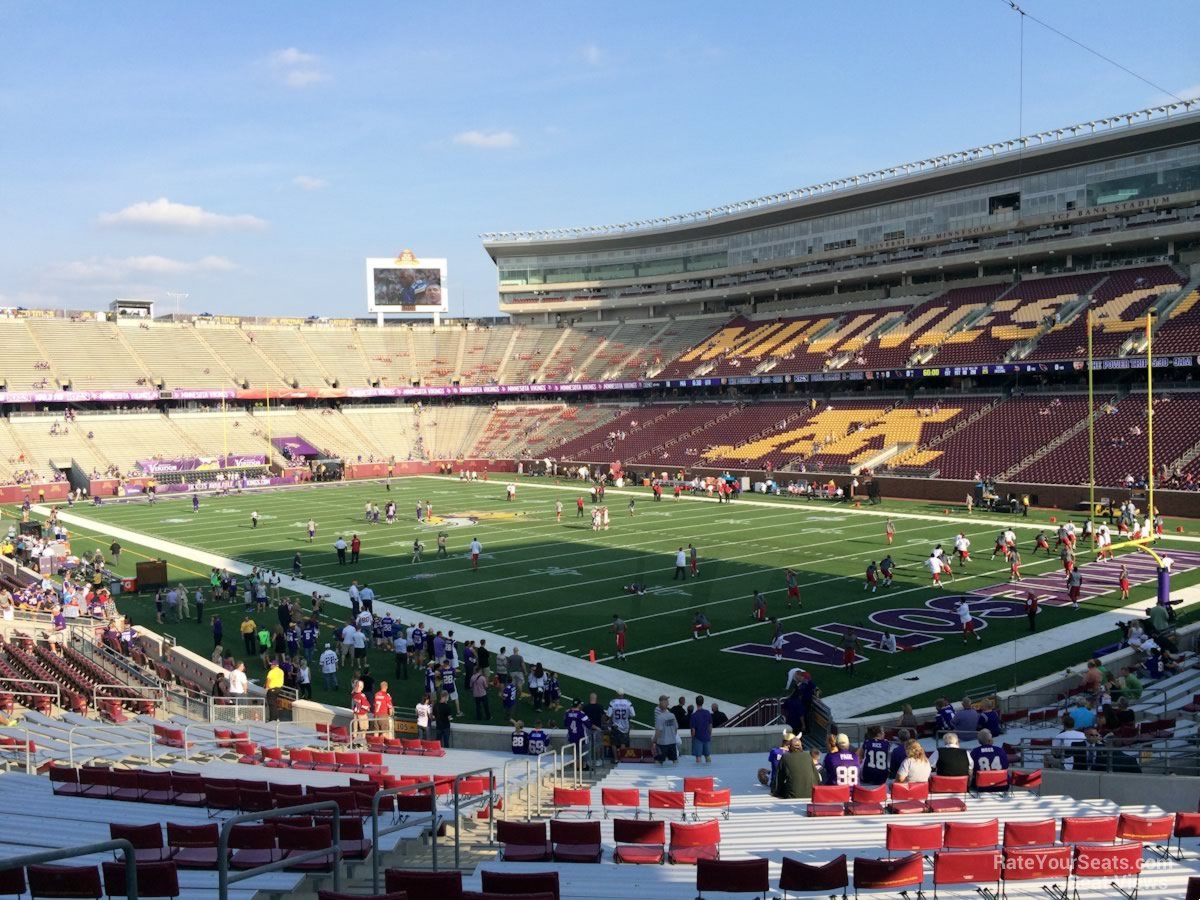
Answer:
(638, 686)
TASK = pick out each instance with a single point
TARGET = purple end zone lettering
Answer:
(925, 621)
(996, 609)
(871, 636)
(799, 648)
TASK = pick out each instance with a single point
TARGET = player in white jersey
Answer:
(967, 620)
(962, 548)
(934, 565)
(620, 717)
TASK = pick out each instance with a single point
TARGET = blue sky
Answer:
(252, 154)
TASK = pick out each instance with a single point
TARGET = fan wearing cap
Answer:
(841, 765)
(796, 775)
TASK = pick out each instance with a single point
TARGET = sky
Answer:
(251, 155)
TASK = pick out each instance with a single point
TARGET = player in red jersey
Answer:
(1124, 583)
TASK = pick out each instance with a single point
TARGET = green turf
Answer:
(556, 585)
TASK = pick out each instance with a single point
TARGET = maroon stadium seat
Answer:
(520, 883)
(419, 885)
(575, 841)
(639, 842)
(801, 877)
(64, 881)
(154, 879)
(888, 874)
(523, 841)
(733, 876)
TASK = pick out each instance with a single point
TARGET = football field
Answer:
(547, 584)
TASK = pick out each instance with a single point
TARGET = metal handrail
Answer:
(1151, 697)
(489, 796)
(147, 739)
(54, 689)
(576, 763)
(377, 832)
(26, 746)
(1182, 760)
(131, 692)
(224, 879)
(41, 856)
(217, 742)
(553, 755)
(528, 763)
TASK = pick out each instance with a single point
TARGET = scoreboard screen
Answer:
(406, 284)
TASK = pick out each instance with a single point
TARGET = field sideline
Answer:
(556, 585)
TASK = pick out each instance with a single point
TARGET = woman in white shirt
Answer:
(424, 711)
(915, 768)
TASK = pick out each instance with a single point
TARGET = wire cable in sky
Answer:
(1026, 14)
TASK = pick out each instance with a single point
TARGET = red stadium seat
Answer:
(155, 786)
(972, 835)
(692, 842)
(946, 784)
(698, 783)
(1187, 825)
(669, 800)
(620, 798)
(1156, 831)
(716, 800)
(1042, 833)
(187, 788)
(1048, 865)
(639, 842)
(1026, 781)
(909, 797)
(1088, 829)
(253, 846)
(991, 781)
(523, 841)
(566, 799)
(1111, 862)
(64, 781)
(867, 800)
(577, 842)
(801, 877)
(193, 846)
(888, 874)
(12, 881)
(295, 841)
(975, 867)
(124, 785)
(733, 876)
(147, 841)
(829, 800)
(914, 838)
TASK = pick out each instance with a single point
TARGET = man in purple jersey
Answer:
(875, 754)
(987, 757)
(841, 766)
(899, 753)
(578, 726)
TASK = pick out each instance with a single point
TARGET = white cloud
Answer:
(309, 183)
(593, 55)
(165, 214)
(295, 68)
(487, 140)
(292, 57)
(118, 268)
